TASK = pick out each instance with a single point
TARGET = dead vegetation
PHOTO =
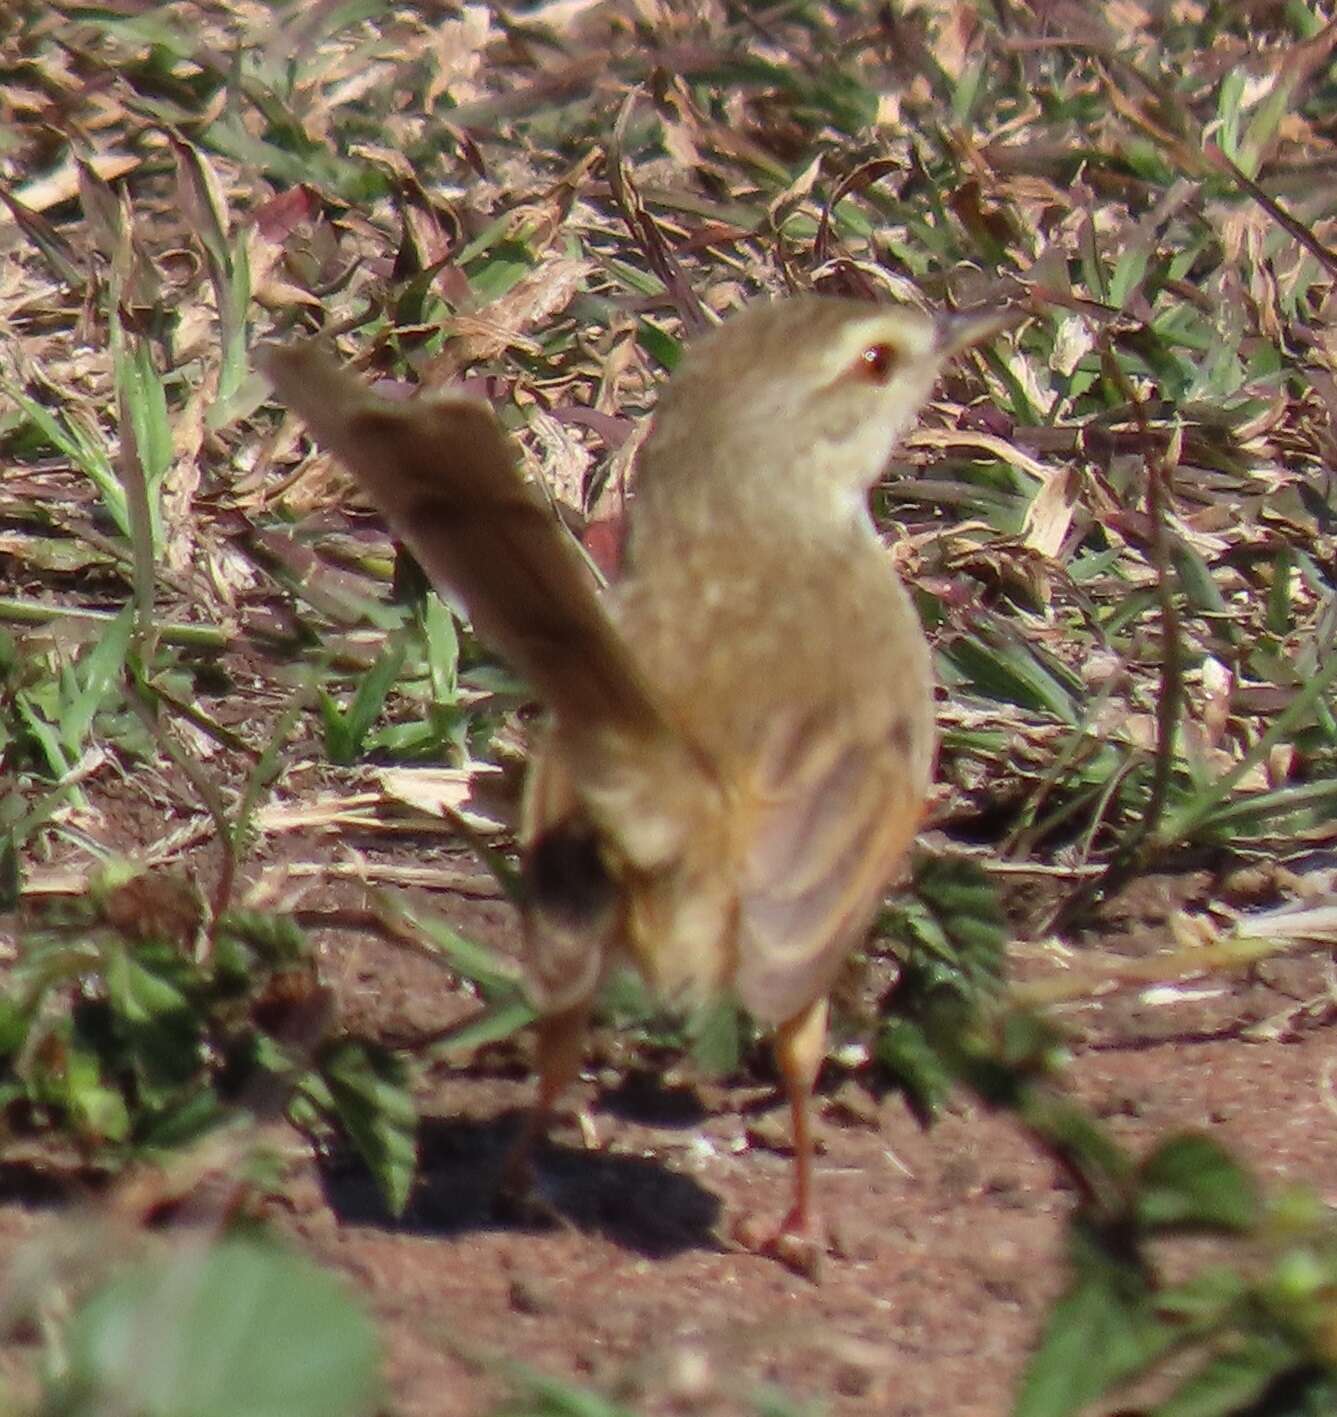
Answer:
(1117, 520)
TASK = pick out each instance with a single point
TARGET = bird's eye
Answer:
(878, 362)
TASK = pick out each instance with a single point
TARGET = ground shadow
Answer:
(635, 1201)
(642, 1096)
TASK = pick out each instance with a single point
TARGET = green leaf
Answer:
(494, 976)
(950, 933)
(43, 734)
(157, 1029)
(184, 1120)
(1289, 810)
(1236, 1381)
(717, 1031)
(1191, 1180)
(501, 1020)
(97, 672)
(966, 90)
(1129, 271)
(964, 902)
(543, 1396)
(97, 1110)
(147, 401)
(239, 1328)
(69, 435)
(233, 306)
(659, 345)
(11, 870)
(138, 994)
(1203, 1302)
(346, 730)
(1085, 1148)
(1095, 1337)
(139, 419)
(278, 939)
(370, 1094)
(915, 1066)
(1202, 592)
(1009, 670)
(443, 649)
(14, 1022)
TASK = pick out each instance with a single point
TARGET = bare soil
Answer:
(946, 1244)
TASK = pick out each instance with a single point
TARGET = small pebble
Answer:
(529, 1296)
(853, 1380)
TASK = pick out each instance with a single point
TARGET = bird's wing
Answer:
(834, 802)
(444, 473)
(617, 785)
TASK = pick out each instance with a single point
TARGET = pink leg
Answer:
(800, 1045)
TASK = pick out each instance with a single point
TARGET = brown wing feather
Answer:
(834, 811)
(443, 472)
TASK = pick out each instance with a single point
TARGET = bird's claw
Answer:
(793, 1243)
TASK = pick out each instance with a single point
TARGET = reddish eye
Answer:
(878, 363)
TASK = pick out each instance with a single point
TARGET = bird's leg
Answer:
(800, 1045)
(558, 1056)
(799, 1048)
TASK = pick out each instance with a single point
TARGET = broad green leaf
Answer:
(1203, 1302)
(966, 90)
(1094, 1339)
(1235, 1381)
(44, 735)
(278, 939)
(965, 902)
(1201, 590)
(139, 994)
(659, 345)
(950, 933)
(1129, 271)
(237, 1328)
(504, 267)
(1191, 1180)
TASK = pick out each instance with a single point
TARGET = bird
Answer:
(739, 735)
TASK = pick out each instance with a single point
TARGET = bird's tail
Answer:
(444, 473)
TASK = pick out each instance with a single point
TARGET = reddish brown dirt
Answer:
(949, 1241)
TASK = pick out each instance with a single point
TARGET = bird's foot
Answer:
(520, 1198)
(795, 1242)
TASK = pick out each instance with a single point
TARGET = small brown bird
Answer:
(740, 733)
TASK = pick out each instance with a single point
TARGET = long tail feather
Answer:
(444, 473)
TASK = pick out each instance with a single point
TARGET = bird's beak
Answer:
(960, 329)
